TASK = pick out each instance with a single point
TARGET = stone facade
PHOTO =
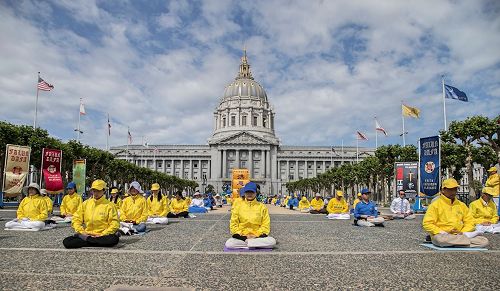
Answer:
(243, 137)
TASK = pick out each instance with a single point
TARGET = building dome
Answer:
(245, 88)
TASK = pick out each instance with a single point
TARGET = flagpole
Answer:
(357, 149)
(107, 135)
(36, 102)
(342, 153)
(79, 117)
(376, 134)
(403, 120)
(444, 104)
(128, 138)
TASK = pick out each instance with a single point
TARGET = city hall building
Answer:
(243, 137)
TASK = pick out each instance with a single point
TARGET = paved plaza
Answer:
(313, 253)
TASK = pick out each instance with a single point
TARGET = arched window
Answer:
(244, 120)
(254, 121)
(233, 120)
(223, 122)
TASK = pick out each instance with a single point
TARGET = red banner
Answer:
(51, 168)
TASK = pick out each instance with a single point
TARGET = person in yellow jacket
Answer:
(134, 211)
(273, 201)
(356, 201)
(239, 199)
(449, 222)
(250, 223)
(95, 222)
(157, 206)
(114, 198)
(46, 198)
(318, 205)
(493, 181)
(178, 206)
(285, 201)
(304, 205)
(337, 207)
(485, 212)
(70, 202)
(32, 211)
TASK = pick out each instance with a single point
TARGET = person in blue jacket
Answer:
(366, 213)
(207, 202)
(293, 202)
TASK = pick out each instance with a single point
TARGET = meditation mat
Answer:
(29, 229)
(246, 250)
(455, 249)
(141, 233)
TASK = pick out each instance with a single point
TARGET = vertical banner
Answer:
(407, 178)
(16, 169)
(79, 172)
(430, 165)
(51, 170)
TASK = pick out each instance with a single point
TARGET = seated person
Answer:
(70, 203)
(46, 198)
(356, 201)
(337, 207)
(304, 205)
(188, 198)
(218, 200)
(250, 223)
(273, 200)
(285, 201)
(449, 221)
(32, 211)
(366, 213)
(400, 207)
(134, 211)
(197, 204)
(157, 206)
(95, 222)
(493, 181)
(178, 206)
(115, 198)
(317, 205)
(207, 202)
(485, 213)
(293, 202)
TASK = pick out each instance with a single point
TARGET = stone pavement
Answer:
(313, 254)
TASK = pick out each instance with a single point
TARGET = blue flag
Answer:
(453, 93)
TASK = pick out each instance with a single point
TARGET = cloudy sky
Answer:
(329, 67)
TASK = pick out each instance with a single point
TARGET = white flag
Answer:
(82, 108)
(379, 128)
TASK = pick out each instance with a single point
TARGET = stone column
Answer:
(315, 169)
(268, 164)
(237, 159)
(250, 163)
(224, 163)
(287, 171)
(296, 170)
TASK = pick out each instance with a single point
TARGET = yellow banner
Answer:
(17, 160)
(409, 111)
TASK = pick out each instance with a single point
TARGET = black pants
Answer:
(74, 241)
(291, 207)
(184, 214)
(322, 211)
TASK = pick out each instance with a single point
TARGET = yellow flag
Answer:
(409, 111)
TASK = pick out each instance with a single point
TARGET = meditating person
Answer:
(293, 202)
(400, 207)
(207, 202)
(356, 201)
(115, 198)
(70, 203)
(218, 200)
(317, 205)
(485, 213)
(178, 206)
(46, 198)
(449, 222)
(95, 222)
(197, 204)
(250, 223)
(134, 211)
(32, 211)
(285, 201)
(337, 207)
(304, 205)
(493, 181)
(157, 206)
(366, 213)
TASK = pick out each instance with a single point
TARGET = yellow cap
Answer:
(492, 169)
(155, 186)
(450, 183)
(489, 191)
(98, 185)
(113, 191)
(340, 194)
(359, 194)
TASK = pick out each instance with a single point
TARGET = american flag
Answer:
(109, 127)
(129, 137)
(379, 128)
(44, 86)
(361, 136)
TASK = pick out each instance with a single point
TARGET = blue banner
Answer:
(430, 168)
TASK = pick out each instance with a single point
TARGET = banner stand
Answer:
(10, 203)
